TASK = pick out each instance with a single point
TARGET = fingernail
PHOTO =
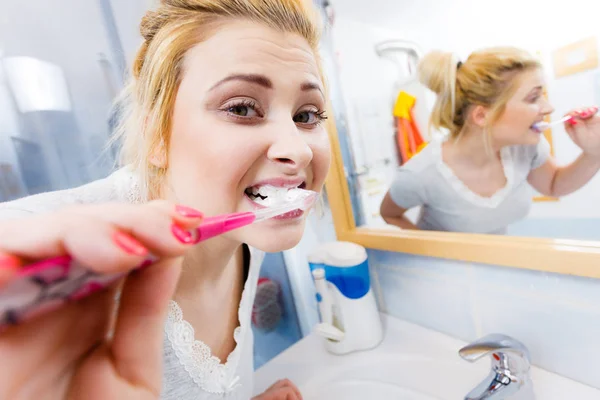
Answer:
(573, 122)
(129, 244)
(188, 212)
(9, 262)
(9, 266)
(181, 234)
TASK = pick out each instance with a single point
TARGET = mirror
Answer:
(379, 45)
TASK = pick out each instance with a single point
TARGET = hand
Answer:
(66, 353)
(281, 390)
(584, 130)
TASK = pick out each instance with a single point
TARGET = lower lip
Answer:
(290, 215)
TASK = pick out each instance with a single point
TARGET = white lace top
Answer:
(449, 205)
(190, 369)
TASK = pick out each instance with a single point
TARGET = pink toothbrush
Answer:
(47, 285)
(214, 226)
(542, 126)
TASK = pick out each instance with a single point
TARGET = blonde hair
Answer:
(147, 101)
(488, 77)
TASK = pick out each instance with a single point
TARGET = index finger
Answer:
(81, 230)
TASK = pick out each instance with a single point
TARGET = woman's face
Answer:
(248, 114)
(526, 107)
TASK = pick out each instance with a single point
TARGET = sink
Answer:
(393, 376)
(412, 363)
(360, 389)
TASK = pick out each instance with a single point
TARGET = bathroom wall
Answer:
(556, 316)
(462, 26)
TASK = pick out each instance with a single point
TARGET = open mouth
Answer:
(270, 195)
(538, 126)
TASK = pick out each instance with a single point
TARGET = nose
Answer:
(290, 151)
(547, 108)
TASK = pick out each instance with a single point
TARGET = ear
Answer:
(479, 116)
(158, 156)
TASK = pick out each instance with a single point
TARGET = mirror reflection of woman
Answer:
(478, 179)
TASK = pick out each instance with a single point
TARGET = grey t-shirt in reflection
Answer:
(449, 205)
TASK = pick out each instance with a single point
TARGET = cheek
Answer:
(516, 115)
(208, 156)
(321, 160)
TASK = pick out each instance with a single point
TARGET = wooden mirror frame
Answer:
(562, 256)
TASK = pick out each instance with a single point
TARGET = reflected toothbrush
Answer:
(542, 126)
(49, 284)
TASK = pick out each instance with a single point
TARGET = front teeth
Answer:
(268, 196)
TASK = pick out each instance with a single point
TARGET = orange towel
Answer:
(408, 136)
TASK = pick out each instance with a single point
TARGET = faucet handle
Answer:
(497, 345)
(509, 356)
(510, 366)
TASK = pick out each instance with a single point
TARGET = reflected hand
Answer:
(66, 353)
(281, 390)
(584, 130)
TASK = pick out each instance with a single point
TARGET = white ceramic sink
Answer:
(357, 389)
(412, 363)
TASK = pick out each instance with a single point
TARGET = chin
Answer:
(533, 138)
(274, 236)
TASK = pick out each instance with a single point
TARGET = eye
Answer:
(243, 109)
(309, 117)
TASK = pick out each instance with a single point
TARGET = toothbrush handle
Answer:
(215, 226)
(47, 285)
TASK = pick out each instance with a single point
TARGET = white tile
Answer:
(456, 270)
(570, 290)
(556, 316)
(561, 338)
(428, 300)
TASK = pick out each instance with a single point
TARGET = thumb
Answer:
(137, 345)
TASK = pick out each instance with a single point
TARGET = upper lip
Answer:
(280, 182)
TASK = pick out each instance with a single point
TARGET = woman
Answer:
(477, 179)
(227, 97)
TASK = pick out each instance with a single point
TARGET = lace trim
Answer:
(196, 357)
(466, 193)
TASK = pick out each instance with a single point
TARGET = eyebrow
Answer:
(256, 79)
(263, 81)
(308, 86)
(536, 88)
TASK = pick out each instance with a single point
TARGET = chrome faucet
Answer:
(509, 377)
